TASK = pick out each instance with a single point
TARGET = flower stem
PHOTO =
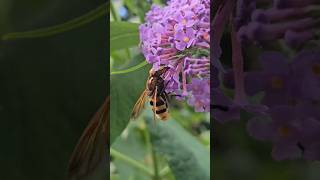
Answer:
(237, 63)
(164, 171)
(132, 162)
(221, 19)
(131, 69)
(217, 25)
(157, 2)
(284, 47)
(113, 12)
(155, 164)
(153, 153)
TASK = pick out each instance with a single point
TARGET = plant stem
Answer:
(157, 2)
(131, 69)
(113, 12)
(153, 154)
(237, 64)
(128, 53)
(284, 47)
(155, 164)
(164, 171)
(132, 162)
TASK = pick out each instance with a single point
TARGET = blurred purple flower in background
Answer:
(282, 131)
(286, 83)
(294, 21)
(287, 74)
(178, 36)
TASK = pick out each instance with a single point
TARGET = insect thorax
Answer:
(153, 82)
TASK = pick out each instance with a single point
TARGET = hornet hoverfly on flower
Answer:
(155, 91)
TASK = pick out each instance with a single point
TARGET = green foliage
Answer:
(125, 91)
(126, 84)
(138, 151)
(137, 7)
(123, 35)
(188, 159)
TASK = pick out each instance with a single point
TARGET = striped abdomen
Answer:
(161, 108)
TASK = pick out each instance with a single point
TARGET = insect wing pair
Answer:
(155, 92)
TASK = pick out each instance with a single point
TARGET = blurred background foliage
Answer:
(175, 149)
(50, 86)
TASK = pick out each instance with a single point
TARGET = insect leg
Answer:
(163, 89)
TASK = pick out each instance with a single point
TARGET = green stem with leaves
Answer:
(153, 154)
(155, 164)
(165, 171)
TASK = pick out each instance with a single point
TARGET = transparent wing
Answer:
(139, 106)
(155, 103)
(91, 149)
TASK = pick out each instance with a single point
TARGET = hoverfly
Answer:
(155, 90)
(90, 153)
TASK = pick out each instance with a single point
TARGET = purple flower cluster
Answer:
(178, 36)
(239, 101)
(294, 21)
(292, 91)
(286, 80)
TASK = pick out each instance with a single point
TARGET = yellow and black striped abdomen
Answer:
(161, 108)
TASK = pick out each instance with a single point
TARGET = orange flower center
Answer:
(186, 39)
(184, 21)
(316, 69)
(284, 131)
(276, 82)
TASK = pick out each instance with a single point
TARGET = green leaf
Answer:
(125, 90)
(138, 151)
(123, 35)
(131, 69)
(187, 158)
(131, 6)
(121, 60)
